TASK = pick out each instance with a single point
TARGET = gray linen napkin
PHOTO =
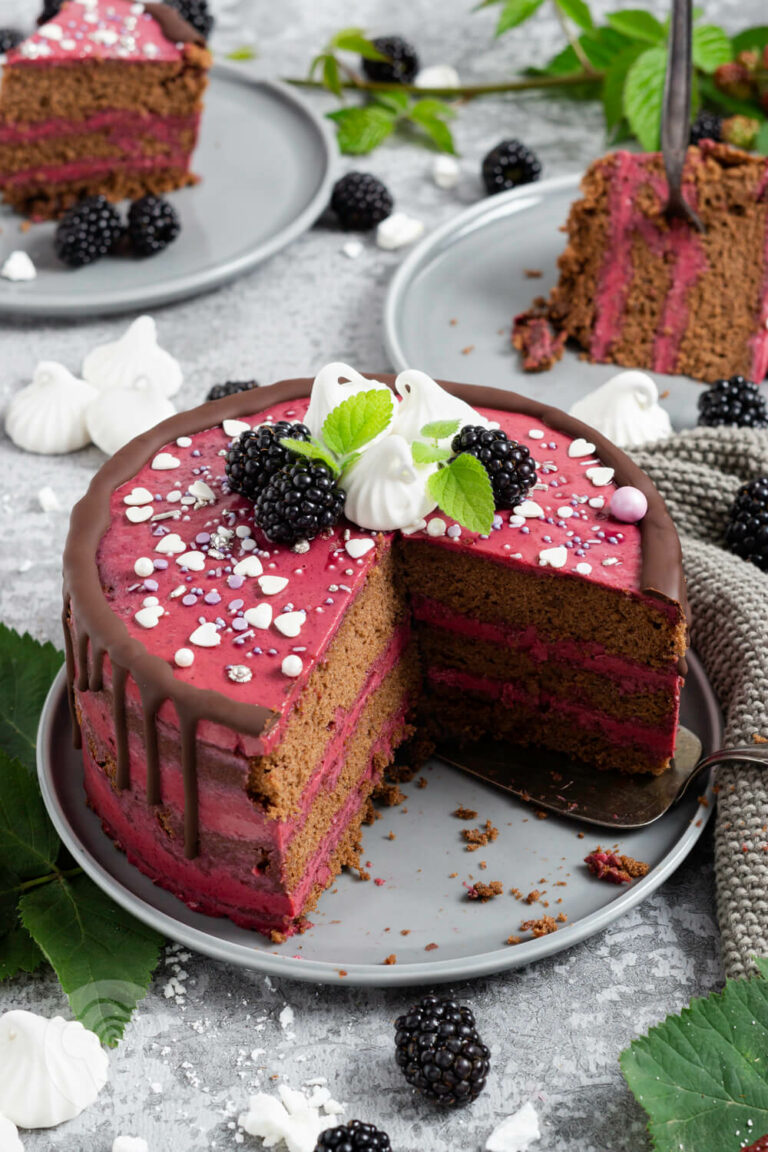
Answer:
(698, 473)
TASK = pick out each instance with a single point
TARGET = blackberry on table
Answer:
(440, 1052)
(360, 201)
(299, 502)
(9, 38)
(87, 231)
(706, 126)
(747, 531)
(256, 456)
(354, 1136)
(401, 65)
(152, 225)
(509, 165)
(736, 402)
(510, 468)
(230, 388)
(196, 13)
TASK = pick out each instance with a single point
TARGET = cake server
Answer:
(676, 110)
(554, 782)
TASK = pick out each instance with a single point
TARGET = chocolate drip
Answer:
(150, 706)
(188, 728)
(173, 25)
(119, 678)
(96, 678)
(77, 740)
(82, 663)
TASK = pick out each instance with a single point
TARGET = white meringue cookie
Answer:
(129, 1144)
(135, 360)
(626, 409)
(333, 384)
(48, 416)
(385, 490)
(424, 401)
(50, 1070)
(119, 414)
(18, 267)
(10, 1140)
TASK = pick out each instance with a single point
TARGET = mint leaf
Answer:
(18, 952)
(360, 130)
(27, 669)
(643, 96)
(711, 47)
(28, 841)
(613, 85)
(750, 39)
(428, 453)
(577, 11)
(516, 12)
(702, 1075)
(355, 40)
(312, 450)
(440, 429)
(462, 490)
(638, 25)
(357, 420)
(103, 957)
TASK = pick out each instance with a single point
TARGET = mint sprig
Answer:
(347, 428)
(462, 490)
(440, 429)
(429, 453)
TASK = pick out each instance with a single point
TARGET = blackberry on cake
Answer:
(440, 1052)
(354, 1136)
(706, 126)
(87, 231)
(509, 165)
(747, 530)
(153, 224)
(735, 402)
(256, 456)
(231, 388)
(510, 468)
(196, 13)
(400, 66)
(50, 9)
(9, 38)
(298, 502)
(360, 201)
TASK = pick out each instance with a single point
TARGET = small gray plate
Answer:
(450, 305)
(266, 162)
(420, 874)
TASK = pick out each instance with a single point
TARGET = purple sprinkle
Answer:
(151, 585)
(235, 605)
(328, 600)
(580, 552)
(202, 537)
(220, 623)
(212, 597)
(158, 496)
(612, 540)
(454, 531)
(526, 530)
(196, 452)
(547, 539)
(256, 651)
(188, 601)
(160, 564)
(239, 624)
(272, 651)
(235, 581)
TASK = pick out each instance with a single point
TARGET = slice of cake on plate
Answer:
(104, 98)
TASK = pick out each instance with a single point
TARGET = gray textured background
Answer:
(184, 1071)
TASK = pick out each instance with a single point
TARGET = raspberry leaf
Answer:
(358, 420)
(312, 450)
(428, 453)
(360, 130)
(462, 490)
(27, 669)
(18, 952)
(578, 11)
(638, 25)
(29, 845)
(440, 429)
(710, 47)
(643, 95)
(355, 40)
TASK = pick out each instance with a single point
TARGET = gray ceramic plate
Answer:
(460, 288)
(266, 162)
(420, 873)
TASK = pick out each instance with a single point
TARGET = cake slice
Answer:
(104, 98)
(643, 291)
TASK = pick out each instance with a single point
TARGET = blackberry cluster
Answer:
(196, 13)
(706, 126)
(401, 65)
(50, 9)
(9, 38)
(256, 456)
(299, 502)
(360, 201)
(736, 402)
(509, 165)
(747, 531)
(152, 225)
(353, 1137)
(440, 1052)
(230, 388)
(509, 465)
(87, 231)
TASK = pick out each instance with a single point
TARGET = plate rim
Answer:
(426, 249)
(184, 287)
(260, 959)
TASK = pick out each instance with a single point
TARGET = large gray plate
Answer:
(357, 925)
(266, 162)
(463, 284)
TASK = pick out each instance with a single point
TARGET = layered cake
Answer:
(642, 290)
(239, 701)
(104, 98)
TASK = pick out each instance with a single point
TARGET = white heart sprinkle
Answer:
(250, 566)
(529, 508)
(200, 490)
(206, 636)
(149, 615)
(516, 521)
(233, 428)
(553, 557)
(163, 462)
(358, 547)
(596, 502)
(584, 569)
(183, 442)
(536, 434)
(580, 447)
(290, 623)
(139, 515)
(51, 31)
(150, 601)
(600, 476)
(170, 544)
(271, 585)
(260, 616)
(564, 511)
(184, 658)
(194, 561)
(138, 496)
(292, 666)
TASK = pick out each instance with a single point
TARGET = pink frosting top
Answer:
(209, 567)
(97, 30)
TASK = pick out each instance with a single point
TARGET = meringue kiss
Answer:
(136, 360)
(48, 416)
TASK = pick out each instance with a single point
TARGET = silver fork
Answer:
(676, 111)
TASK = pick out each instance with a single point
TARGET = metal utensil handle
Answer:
(754, 753)
(676, 111)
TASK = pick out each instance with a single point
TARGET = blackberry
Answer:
(230, 388)
(9, 38)
(706, 126)
(747, 530)
(256, 456)
(509, 165)
(736, 402)
(509, 465)
(440, 1052)
(87, 231)
(152, 225)
(361, 201)
(401, 65)
(50, 9)
(196, 13)
(298, 502)
(353, 1137)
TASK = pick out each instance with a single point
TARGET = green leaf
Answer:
(357, 420)
(638, 25)
(601, 46)
(613, 85)
(331, 77)
(18, 953)
(711, 47)
(312, 450)
(462, 490)
(28, 841)
(10, 886)
(355, 40)
(515, 12)
(429, 109)
(643, 96)
(750, 39)
(439, 133)
(761, 142)
(103, 958)
(244, 53)
(429, 453)
(27, 669)
(360, 130)
(396, 102)
(440, 429)
(702, 1075)
(578, 11)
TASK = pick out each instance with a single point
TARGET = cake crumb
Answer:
(277, 937)
(533, 896)
(615, 868)
(541, 814)
(516, 893)
(462, 813)
(452, 875)
(453, 322)
(482, 865)
(405, 931)
(561, 918)
(479, 838)
(533, 273)
(391, 959)
(541, 927)
(390, 795)
(513, 940)
(391, 836)
(758, 739)
(484, 892)
(430, 947)
(469, 348)
(421, 782)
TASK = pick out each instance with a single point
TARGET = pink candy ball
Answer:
(628, 504)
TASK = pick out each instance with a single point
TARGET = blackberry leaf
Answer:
(462, 490)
